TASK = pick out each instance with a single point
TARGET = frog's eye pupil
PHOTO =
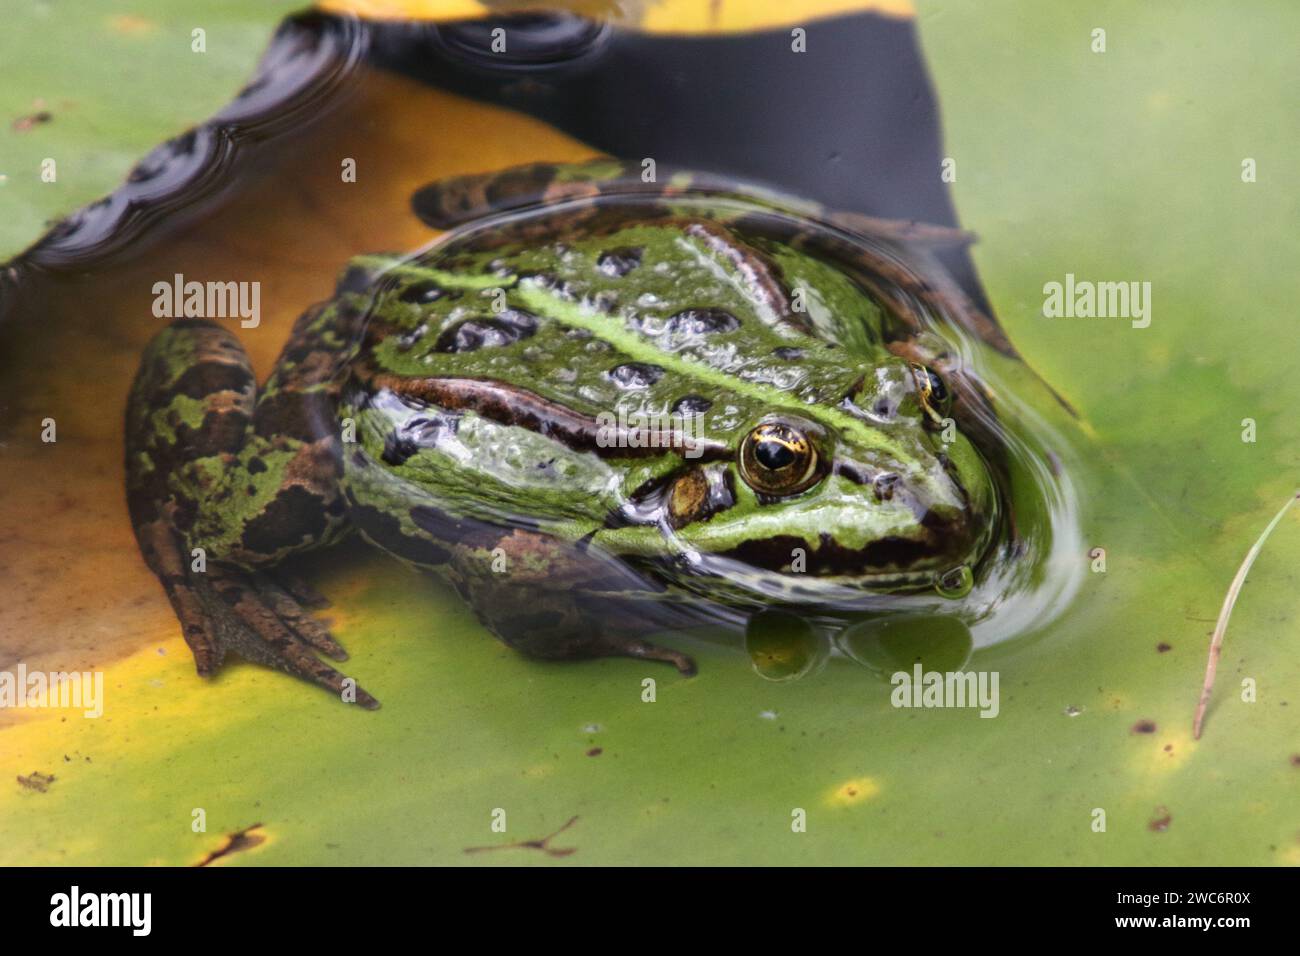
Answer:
(773, 455)
(938, 390)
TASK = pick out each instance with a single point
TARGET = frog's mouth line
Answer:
(741, 584)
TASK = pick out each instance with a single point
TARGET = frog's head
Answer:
(880, 493)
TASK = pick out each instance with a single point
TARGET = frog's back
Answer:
(519, 374)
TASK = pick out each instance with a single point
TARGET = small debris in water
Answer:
(1073, 711)
(25, 123)
(767, 714)
(1162, 647)
(1144, 727)
(544, 844)
(237, 842)
(1161, 821)
(40, 782)
(1221, 628)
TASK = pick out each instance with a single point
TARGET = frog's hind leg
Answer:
(221, 485)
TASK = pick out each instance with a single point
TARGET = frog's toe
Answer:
(279, 633)
(685, 665)
(622, 645)
(194, 614)
(262, 622)
(303, 593)
(288, 606)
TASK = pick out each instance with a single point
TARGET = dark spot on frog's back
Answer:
(551, 283)
(503, 329)
(205, 378)
(422, 292)
(294, 515)
(619, 262)
(702, 322)
(412, 337)
(221, 432)
(691, 405)
(633, 375)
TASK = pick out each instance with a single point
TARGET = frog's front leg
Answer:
(552, 600)
(222, 485)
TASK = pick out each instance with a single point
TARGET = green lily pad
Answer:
(1117, 166)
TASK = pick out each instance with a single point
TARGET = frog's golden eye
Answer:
(935, 397)
(778, 459)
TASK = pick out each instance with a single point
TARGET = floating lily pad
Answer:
(1117, 166)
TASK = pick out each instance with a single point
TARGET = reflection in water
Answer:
(783, 646)
(899, 642)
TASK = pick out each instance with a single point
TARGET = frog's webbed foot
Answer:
(257, 618)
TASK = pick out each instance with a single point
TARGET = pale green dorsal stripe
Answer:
(610, 330)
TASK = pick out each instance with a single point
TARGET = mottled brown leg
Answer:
(196, 438)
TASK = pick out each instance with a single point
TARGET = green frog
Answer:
(598, 406)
